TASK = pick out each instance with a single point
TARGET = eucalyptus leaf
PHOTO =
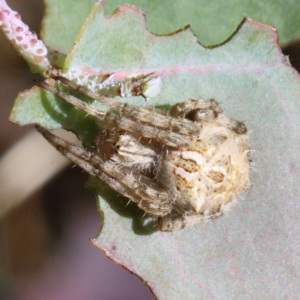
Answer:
(214, 20)
(252, 252)
(62, 22)
(211, 20)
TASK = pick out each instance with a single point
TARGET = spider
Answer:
(184, 166)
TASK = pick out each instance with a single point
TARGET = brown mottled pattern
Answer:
(198, 146)
(187, 164)
(213, 170)
(182, 183)
(216, 176)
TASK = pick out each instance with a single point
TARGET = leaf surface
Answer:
(251, 253)
(62, 22)
(212, 21)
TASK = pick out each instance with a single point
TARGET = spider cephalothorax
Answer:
(184, 167)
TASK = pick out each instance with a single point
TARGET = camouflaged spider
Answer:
(184, 167)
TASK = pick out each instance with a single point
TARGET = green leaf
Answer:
(252, 252)
(212, 21)
(62, 22)
(38, 106)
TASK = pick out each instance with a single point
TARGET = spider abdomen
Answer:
(212, 171)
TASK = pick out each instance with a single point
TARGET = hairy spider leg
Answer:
(169, 223)
(168, 138)
(181, 108)
(145, 115)
(147, 194)
(198, 106)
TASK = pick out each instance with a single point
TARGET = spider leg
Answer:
(145, 115)
(206, 110)
(169, 223)
(140, 189)
(182, 108)
(236, 126)
(112, 120)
